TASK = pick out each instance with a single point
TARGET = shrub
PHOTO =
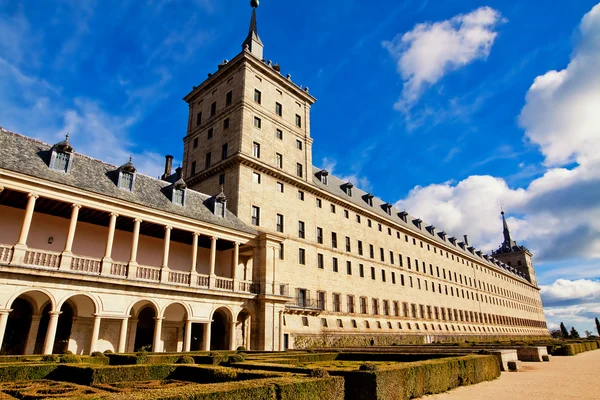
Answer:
(141, 357)
(310, 351)
(98, 354)
(241, 348)
(318, 373)
(69, 359)
(236, 358)
(68, 352)
(109, 351)
(51, 358)
(368, 367)
(185, 360)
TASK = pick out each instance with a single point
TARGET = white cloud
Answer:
(362, 182)
(431, 50)
(565, 291)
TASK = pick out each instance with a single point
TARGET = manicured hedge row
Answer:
(570, 349)
(25, 372)
(420, 378)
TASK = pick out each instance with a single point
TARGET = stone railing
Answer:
(249, 287)
(89, 265)
(224, 283)
(148, 273)
(41, 258)
(5, 253)
(118, 269)
(181, 278)
(203, 281)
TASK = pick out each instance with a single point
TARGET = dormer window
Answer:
(431, 229)
(220, 204)
(443, 235)
(126, 178)
(323, 176)
(61, 156)
(388, 208)
(178, 192)
(403, 216)
(348, 188)
(418, 222)
(369, 199)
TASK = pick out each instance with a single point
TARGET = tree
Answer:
(564, 331)
(556, 334)
(574, 333)
(598, 326)
(588, 334)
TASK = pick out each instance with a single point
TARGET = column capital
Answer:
(78, 206)
(159, 318)
(196, 234)
(138, 220)
(1, 188)
(236, 244)
(168, 228)
(97, 315)
(112, 214)
(34, 195)
(214, 238)
(53, 313)
(5, 312)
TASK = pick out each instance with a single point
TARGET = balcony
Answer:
(304, 306)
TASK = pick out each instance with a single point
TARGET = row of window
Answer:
(278, 107)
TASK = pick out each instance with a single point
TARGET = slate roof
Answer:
(30, 157)
(335, 186)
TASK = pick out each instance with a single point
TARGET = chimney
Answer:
(178, 172)
(466, 240)
(168, 166)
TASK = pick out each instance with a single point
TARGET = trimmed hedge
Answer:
(571, 349)
(419, 378)
(25, 372)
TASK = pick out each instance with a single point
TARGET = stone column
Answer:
(248, 332)
(164, 273)
(193, 272)
(156, 345)
(213, 260)
(123, 335)
(187, 339)
(281, 331)
(51, 332)
(206, 336)
(67, 255)
(132, 334)
(3, 322)
(232, 335)
(107, 260)
(95, 333)
(21, 246)
(132, 270)
(32, 335)
(234, 263)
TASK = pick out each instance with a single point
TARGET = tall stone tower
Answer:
(515, 256)
(246, 120)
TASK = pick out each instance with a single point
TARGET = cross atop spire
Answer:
(253, 44)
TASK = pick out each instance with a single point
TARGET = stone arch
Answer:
(220, 328)
(18, 326)
(75, 323)
(174, 316)
(144, 314)
(39, 297)
(83, 304)
(243, 328)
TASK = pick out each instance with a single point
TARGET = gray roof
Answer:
(335, 186)
(30, 157)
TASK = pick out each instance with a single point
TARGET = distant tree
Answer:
(556, 334)
(564, 331)
(588, 334)
(574, 333)
(598, 326)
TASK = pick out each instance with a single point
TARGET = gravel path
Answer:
(562, 378)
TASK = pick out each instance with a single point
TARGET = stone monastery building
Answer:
(278, 254)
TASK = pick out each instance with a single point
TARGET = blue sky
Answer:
(448, 109)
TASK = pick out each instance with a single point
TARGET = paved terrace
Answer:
(562, 378)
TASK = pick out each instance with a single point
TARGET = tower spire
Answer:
(253, 43)
(508, 242)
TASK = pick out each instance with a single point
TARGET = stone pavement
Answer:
(562, 378)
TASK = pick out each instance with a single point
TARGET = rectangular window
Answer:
(363, 305)
(280, 251)
(226, 123)
(391, 257)
(224, 151)
(301, 256)
(361, 270)
(213, 109)
(298, 144)
(222, 179)
(383, 275)
(256, 149)
(228, 98)
(257, 123)
(386, 307)
(358, 218)
(360, 248)
(332, 208)
(321, 300)
(255, 177)
(278, 109)
(300, 195)
(299, 170)
(346, 214)
(319, 235)
(350, 303)
(195, 143)
(375, 306)
(371, 251)
(255, 215)
(279, 134)
(319, 203)
(348, 267)
(207, 160)
(279, 223)
(320, 261)
(396, 309)
(198, 118)
(257, 96)
(335, 264)
(193, 167)
(298, 121)
(393, 278)
(280, 187)
(334, 240)
(301, 229)
(381, 254)
(337, 307)
(209, 133)
(348, 244)
(278, 160)
(373, 273)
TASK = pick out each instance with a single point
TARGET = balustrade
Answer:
(182, 278)
(89, 265)
(40, 258)
(148, 273)
(5, 253)
(224, 283)
(203, 281)
(118, 269)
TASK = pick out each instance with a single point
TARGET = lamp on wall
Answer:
(50, 239)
